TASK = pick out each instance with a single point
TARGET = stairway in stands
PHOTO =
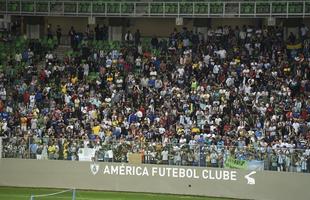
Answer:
(61, 50)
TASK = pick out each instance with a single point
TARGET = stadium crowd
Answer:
(191, 99)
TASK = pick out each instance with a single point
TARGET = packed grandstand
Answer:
(232, 94)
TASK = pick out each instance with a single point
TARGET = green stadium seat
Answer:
(42, 7)
(247, 8)
(262, 8)
(204, 8)
(113, 7)
(99, 7)
(70, 7)
(186, 8)
(13, 6)
(127, 8)
(2, 6)
(295, 7)
(157, 8)
(279, 7)
(171, 8)
(27, 7)
(307, 8)
(56, 7)
(84, 7)
(216, 8)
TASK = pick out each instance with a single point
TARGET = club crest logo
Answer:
(251, 180)
(94, 168)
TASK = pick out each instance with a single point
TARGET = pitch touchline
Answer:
(28, 196)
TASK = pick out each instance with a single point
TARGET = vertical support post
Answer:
(287, 10)
(63, 8)
(255, 9)
(105, 8)
(29, 149)
(49, 8)
(73, 194)
(34, 7)
(1, 147)
(91, 9)
(135, 9)
(32, 197)
(209, 9)
(304, 9)
(193, 9)
(164, 8)
(270, 7)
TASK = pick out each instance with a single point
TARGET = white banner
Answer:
(86, 154)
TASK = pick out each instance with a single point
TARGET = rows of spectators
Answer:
(240, 89)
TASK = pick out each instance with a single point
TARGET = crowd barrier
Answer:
(277, 158)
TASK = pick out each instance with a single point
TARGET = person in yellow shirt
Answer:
(94, 114)
(194, 85)
(65, 150)
(108, 133)
(180, 131)
(63, 88)
(195, 65)
(51, 151)
(96, 129)
(74, 80)
(23, 123)
(195, 130)
(114, 123)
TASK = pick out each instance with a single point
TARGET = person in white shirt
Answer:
(222, 53)
(86, 69)
(164, 155)
(242, 35)
(34, 122)
(303, 32)
(216, 70)
(128, 37)
(110, 155)
(18, 57)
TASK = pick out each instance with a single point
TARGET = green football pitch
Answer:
(8, 193)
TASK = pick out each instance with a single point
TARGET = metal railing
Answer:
(203, 155)
(157, 9)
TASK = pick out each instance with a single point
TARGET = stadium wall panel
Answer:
(242, 184)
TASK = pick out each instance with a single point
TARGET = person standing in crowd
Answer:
(303, 30)
(97, 32)
(128, 37)
(49, 31)
(58, 34)
(137, 37)
(72, 34)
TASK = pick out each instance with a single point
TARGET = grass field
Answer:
(8, 193)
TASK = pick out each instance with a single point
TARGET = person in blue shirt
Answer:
(201, 139)
(132, 118)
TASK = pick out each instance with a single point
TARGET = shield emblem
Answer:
(94, 168)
